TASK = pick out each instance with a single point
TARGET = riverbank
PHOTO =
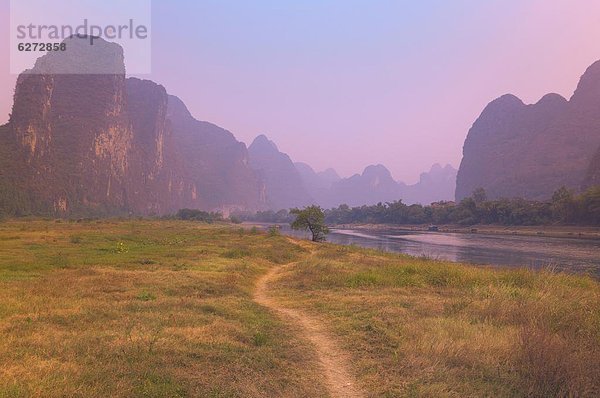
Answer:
(553, 231)
(417, 327)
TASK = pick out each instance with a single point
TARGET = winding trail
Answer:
(334, 362)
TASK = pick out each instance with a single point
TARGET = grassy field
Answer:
(166, 309)
(145, 309)
(417, 328)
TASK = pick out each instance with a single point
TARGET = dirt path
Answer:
(333, 361)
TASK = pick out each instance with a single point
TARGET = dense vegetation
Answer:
(198, 215)
(565, 208)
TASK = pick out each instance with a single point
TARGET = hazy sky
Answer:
(347, 83)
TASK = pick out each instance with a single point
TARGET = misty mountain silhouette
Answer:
(529, 151)
(105, 144)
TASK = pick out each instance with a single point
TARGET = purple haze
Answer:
(346, 84)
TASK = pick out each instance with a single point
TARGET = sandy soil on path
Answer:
(333, 361)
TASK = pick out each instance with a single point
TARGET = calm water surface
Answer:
(572, 255)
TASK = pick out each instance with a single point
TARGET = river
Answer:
(565, 254)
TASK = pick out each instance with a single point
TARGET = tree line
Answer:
(564, 208)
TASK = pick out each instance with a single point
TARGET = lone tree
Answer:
(311, 218)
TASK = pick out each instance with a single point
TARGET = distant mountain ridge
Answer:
(436, 185)
(298, 184)
(529, 151)
(104, 144)
(283, 184)
(289, 184)
(376, 184)
(318, 184)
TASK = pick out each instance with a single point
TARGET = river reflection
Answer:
(572, 255)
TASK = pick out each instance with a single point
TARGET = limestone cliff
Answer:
(73, 134)
(215, 163)
(103, 144)
(529, 151)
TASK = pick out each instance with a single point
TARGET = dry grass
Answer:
(142, 309)
(164, 309)
(431, 329)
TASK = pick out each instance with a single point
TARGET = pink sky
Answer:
(346, 85)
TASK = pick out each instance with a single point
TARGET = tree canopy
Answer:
(564, 208)
(311, 218)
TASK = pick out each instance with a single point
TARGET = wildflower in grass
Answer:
(122, 248)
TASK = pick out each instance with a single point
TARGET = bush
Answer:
(146, 296)
(198, 215)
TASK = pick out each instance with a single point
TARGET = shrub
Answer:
(260, 339)
(198, 215)
(273, 231)
(146, 296)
